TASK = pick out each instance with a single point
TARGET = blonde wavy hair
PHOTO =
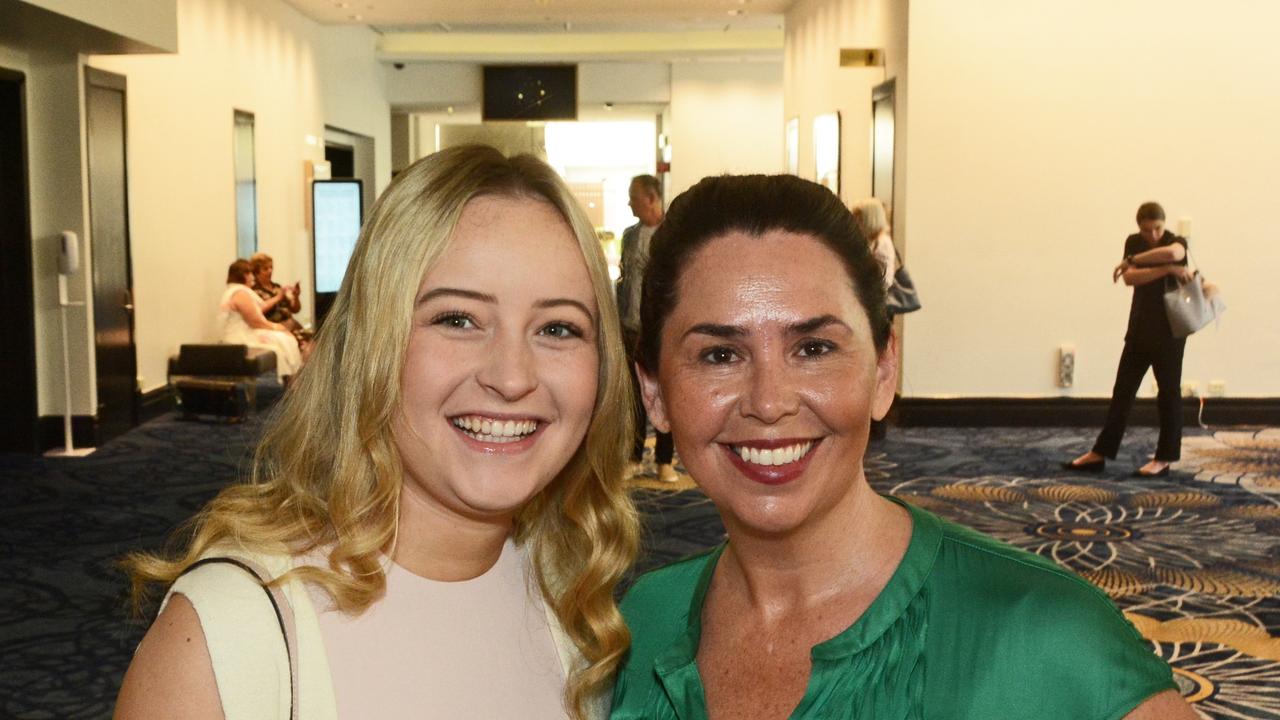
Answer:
(327, 474)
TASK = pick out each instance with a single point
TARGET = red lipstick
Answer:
(771, 474)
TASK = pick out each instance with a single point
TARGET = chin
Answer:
(766, 517)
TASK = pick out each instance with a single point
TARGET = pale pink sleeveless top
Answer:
(479, 648)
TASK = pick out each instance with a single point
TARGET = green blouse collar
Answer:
(677, 666)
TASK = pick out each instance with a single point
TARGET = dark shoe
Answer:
(1095, 466)
(1161, 473)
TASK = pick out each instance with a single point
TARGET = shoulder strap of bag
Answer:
(284, 615)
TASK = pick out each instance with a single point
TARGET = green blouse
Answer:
(967, 627)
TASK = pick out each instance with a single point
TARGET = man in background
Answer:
(646, 205)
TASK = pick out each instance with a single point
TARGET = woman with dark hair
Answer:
(1150, 255)
(766, 351)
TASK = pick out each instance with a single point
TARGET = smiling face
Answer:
(768, 378)
(500, 375)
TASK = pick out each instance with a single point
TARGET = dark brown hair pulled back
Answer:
(753, 204)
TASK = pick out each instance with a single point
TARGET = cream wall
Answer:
(295, 76)
(815, 84)
(1036, 130)
(151, 22)
(726, 117)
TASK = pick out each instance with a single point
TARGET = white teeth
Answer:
(774, 456)
(491, 430)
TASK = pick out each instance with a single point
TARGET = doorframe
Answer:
(111, 81)
(28, 432)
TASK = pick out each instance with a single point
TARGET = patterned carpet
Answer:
(1194, 559)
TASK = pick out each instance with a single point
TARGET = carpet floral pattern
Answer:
(1192, 559)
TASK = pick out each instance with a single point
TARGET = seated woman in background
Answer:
(441, 497)
(766, 350)
(279, 302)
(242, 321)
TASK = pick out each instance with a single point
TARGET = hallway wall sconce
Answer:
(861, 57)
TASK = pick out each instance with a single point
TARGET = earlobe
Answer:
(651, 396)
(886, 379)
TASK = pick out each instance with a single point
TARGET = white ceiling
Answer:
(540, 16)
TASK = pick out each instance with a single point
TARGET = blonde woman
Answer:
(440, 499)
(874, 224)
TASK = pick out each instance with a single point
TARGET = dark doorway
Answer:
(109, 229)
(341, 159)
(17, 322)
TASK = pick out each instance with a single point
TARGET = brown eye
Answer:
(815, 348)
(719, 355)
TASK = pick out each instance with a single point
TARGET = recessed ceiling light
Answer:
(737, 11)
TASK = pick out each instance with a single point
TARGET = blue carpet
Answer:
(1193, 559)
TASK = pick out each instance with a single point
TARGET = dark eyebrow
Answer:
(560, 302)
(727, 332)
(813, 324)
(731, 332)
(455, 292)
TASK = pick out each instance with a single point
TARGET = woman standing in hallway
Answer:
(440, 499)
(243, 323)
(874, 224)
(1150, 255)
(766, 350)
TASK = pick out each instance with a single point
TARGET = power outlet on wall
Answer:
(1066, 365)
(1190, 388)
(1217, 388)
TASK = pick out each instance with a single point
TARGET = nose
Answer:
(509, 371)
(770, 395)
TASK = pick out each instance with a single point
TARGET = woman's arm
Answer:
(171, 674)
(1173, 253)
(884, 252)
(1167, 705)
(272, 301)
(1142, 275)
(244, 303)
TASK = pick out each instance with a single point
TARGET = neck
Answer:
(437, 543)
(853, 548)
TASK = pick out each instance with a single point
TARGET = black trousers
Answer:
(1164, 357)
(665, 448)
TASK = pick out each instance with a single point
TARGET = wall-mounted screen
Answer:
(336, 217)
(530, 92)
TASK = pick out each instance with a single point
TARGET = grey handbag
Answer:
(902, 296)
(1188, 306)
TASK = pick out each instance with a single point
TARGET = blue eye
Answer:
(562, 330)
(455, 320)
(720, 355)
